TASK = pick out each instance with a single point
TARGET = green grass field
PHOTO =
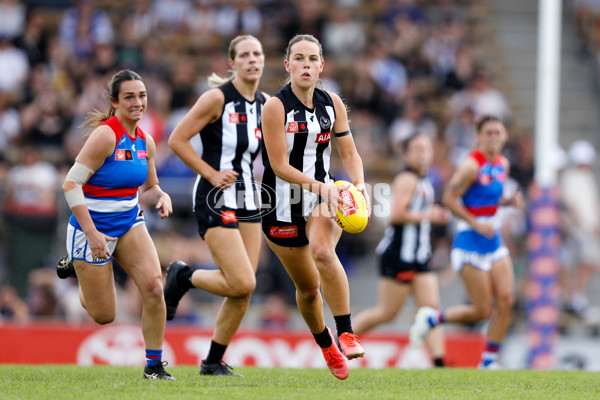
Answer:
(74, 382)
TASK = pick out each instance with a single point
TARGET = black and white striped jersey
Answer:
(412, 241)
(308, 133)
(232, 143)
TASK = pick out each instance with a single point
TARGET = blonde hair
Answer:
(215, 80)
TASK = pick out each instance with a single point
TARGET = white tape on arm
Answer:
(78, 174)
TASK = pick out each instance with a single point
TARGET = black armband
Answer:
(345, 133)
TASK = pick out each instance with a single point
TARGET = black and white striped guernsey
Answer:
(232, 143)
(412, 241)
(308, 135)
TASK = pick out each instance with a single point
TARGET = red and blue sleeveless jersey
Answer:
(483, 197)
(481, 200)
(111, 193)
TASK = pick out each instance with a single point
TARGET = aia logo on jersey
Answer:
(485, 179)
(323, 137)
(123, 155)
(258, 133)
(238, 118)
(229, 217)
(297, 127)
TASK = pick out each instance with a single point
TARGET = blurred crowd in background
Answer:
(402, 66)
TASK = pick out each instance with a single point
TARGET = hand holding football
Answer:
(357, 216)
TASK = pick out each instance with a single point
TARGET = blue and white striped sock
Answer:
(153, 357)
(490, 354)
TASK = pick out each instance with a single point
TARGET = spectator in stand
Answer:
(412, 121)
(42, 299)
(405, 8)
(388, 72)
(170, 15)
(461, 74)
(581, 202)
(45, 123)
(366, 93)
(200, 22)
(406, 38)
(460, 135)
(522, 160)
(14, 67)
(30, 212)
(90, 97)
(443, 11)
(10, 124)
(343, 35)
(12, 17)
(83, 27)
(141, 21)
(482, 97)
(58, 68)
(441, 48)
(12, 307)
(34, 39)
(328, 77)
(310, 15)
(154, 65)
(183, 84)
(391, 78)
(275, 314)
(104, 61)
(239, 17)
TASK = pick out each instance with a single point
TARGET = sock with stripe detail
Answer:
(490, 354)
(153, 357)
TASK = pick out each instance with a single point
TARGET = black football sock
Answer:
(323, 339)
(343, 324)
(216, 352)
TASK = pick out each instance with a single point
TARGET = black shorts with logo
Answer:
(208, 217)
(286, 234)
(392, 266)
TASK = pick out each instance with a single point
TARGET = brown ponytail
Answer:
(96, 117)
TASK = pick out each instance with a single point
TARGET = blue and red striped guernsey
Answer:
(483, 197)
(112, 192)
(125, 170)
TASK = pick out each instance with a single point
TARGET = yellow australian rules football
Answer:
(357, 216)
